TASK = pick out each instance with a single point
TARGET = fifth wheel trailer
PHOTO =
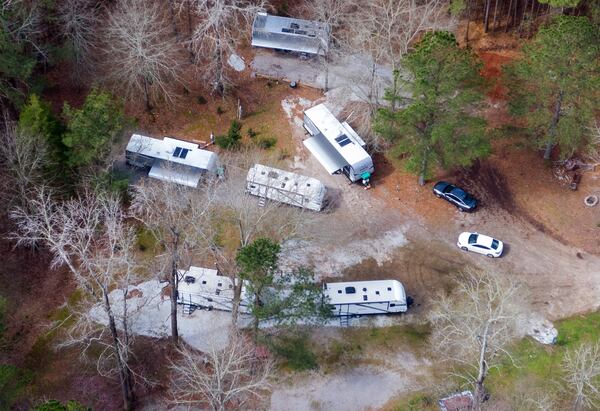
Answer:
(286, 187)
(365, 297)
(336, 145)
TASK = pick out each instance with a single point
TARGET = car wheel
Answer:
(491, 256)
(464, 248)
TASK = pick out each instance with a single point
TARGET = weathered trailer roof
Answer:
(340, 136)
(285, 33)
(286, 180)
(361, 292)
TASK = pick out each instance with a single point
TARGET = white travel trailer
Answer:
(204, 288)
(170, 159)
(286, 187)
(365, 297)
(336, 145)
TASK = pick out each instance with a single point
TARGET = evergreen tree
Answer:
(555, 85)
(91, 128)
(437, 126)
(36, 118)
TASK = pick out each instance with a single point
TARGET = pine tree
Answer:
(437, 126)
(556, 83)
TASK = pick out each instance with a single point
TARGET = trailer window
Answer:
(350, 290)
(392, 305)
(339, 291)
(377, 292)
(364, 298)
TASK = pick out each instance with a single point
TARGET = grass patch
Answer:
(145, 240)
(295, 352)
(540, 366)
(415, 402)
(13, 383)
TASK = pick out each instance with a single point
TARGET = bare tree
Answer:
(221, 25)
(141, 53)
(582, 374)
(225, 377)
(382, 31)
(177, 216)
(89, 235)
(78, 20)
(24, 158)
(473, 328)
(247, 219)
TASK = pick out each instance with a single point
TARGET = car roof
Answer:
(459, 192)
(484, 240)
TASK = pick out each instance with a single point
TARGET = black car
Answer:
(457, 196)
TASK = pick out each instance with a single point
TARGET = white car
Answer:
(481, 244)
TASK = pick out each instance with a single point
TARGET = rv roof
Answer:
(291, 34)
(354, 292)
(206, 281)
(341, 136)
(286, 180)
(173, 150)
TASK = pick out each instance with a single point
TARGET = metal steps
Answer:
(262, 201)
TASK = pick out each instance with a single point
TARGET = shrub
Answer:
(252, 133)
(220, 110)
(295, 351)
(201, 100)
(231, 140)
(266, 142)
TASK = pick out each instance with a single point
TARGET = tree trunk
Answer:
(423, 170)
(189, 24)
(124, 372)
(255, 321)
(468, 22)
(237, 299)
(553, 127)
(174, 280)
(495, 15)
(479, 394)
(173, 21)
(147, 95)
(486, 18)
(509, 16)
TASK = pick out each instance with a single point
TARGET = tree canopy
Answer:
(554, 86)
(437, 127)
(91, 127)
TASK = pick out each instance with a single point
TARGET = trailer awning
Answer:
(327, 155)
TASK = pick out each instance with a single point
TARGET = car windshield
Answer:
(473, 238)
(495, 244)
(448, 188)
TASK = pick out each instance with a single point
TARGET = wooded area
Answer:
(78, 77)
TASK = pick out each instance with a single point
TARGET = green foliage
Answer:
(295, 350)
(555, 86)
(13, 382)
(266, 143)
(232, 140)
(561, 3)
(457, 7)
(145, 240)
(91, 128)
(293, 297)
(17, 57)
(257, 262)
(54, 405)
(436, 127)
(252, 133)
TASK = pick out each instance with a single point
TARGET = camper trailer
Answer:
(336, 145)
(170, 159)
(285, 187)
(289, 34)
(365, 297)
(204, 288)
